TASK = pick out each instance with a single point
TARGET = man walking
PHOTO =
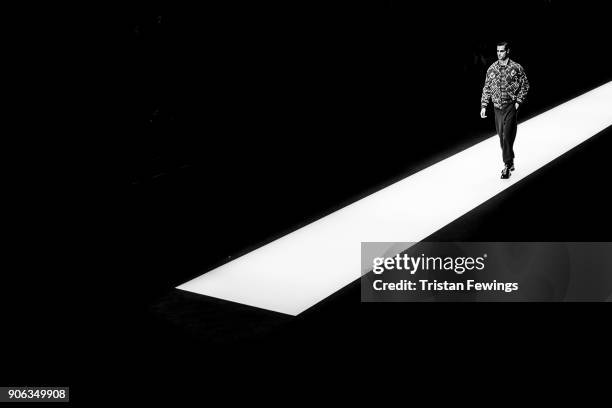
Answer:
(507, 86)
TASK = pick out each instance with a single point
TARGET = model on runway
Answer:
(507, 85)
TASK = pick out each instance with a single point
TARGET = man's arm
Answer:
(486, 96)
(486, 92)
(524, 89)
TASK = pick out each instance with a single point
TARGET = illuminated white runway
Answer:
(300, 269)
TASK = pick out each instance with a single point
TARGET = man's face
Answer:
(502, 53)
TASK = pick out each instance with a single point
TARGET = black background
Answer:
(237, 123)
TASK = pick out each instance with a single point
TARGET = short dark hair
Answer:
(505, 44)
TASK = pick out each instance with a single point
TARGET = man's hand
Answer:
(516, 105)
(483, 113)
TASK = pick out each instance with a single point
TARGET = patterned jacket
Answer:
(504, 84)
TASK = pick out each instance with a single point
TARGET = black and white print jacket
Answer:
(504, 84)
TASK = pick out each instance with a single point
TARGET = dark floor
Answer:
(131, 323)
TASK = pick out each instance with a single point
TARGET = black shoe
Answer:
(505, 173)
(512, 167)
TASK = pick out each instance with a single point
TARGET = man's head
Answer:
(503, 50)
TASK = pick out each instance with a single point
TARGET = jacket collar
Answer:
(509, 63)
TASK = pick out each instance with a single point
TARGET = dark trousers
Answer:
(505, 124)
